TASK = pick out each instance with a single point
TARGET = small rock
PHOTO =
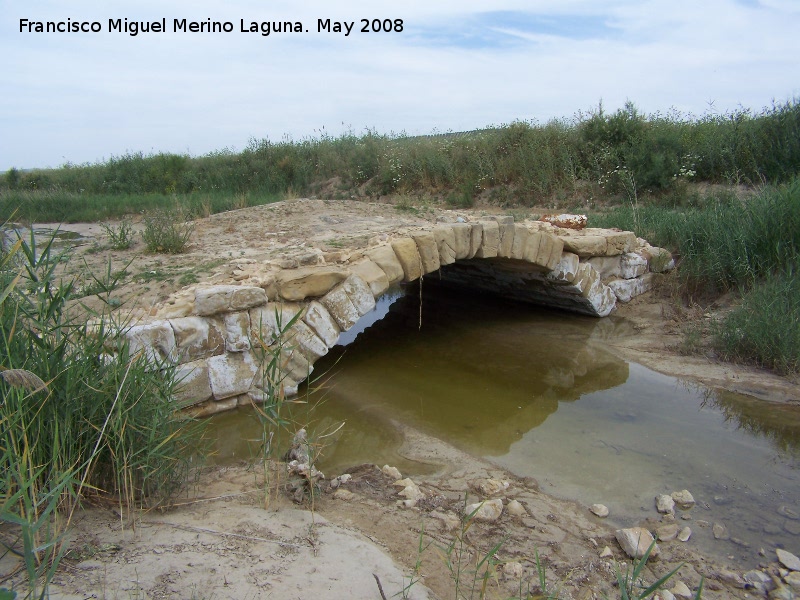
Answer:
(512, 570)
(664, 595)
(492, 487)
(343, 494)
(782, 593)
(681, 590)
(759, 581)
(667, 533)
(606, 553)
(635, 541)
(515, 509)
(684, 534)
(683, 499)
(665, 504)
(788, 560)
(772, 529)
(488, 510)
(391, 472)
(793, 581)
(720, 531)
(599, 510)
(411, 492)
(731, 578)
(788, 512)
(792, 527)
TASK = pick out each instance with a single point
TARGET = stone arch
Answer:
(215, 340)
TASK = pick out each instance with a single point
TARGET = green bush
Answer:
(166, 231)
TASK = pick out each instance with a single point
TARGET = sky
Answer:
(457, 65)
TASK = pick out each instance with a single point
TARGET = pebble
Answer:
(720, 532)
(789, 513)
(515, 509)
(792, 527)
(665, 504)
(635, 541)
(512, 570)
(667, 533)
(492, 487)
(681, 590)
(685, 534)
(788, 560)
(782, 593)
(391, 472)
(793, 581)
(664, 595)
(683, 499)
(488, 510)
(772, 529)
(731, 578)
(600, 510)
(606, 553)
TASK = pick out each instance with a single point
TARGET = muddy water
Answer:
(537, 393)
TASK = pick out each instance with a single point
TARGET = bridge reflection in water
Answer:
(536, 392)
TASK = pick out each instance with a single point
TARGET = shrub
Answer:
(120, 237)
(166, 231)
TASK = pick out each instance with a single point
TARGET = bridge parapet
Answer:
(217, 334)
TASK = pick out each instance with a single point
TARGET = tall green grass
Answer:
(749, 245)
(524, 163)
(79, 414)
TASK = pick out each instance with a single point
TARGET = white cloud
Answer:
(457, 65)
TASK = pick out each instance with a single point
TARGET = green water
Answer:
(535, 392)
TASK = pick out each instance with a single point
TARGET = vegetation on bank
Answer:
(725, 243)
(591, 156)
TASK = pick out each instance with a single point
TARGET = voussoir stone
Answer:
(320, 320)
(462, 234)
(566, 268)
(266, 322)
(506, 229)
(231, 374)
(225, 298)
(198, 337)
(519, 242)
(428, 251)
(408, 256)
(156, 340)
(308, 282)
(386, 258)
(373, 275)
(445, 239)
(490, 240)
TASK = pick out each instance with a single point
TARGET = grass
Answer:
(80, 413)
(750, 246)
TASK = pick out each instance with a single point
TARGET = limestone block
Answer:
(306, 341)
(490, 241)
(585, 278)
(320, 320)
(627, 289)
(607, 266)
(193, 385)
(338, 303)
(224, 298)
(659, 260)
(587, 245)
(266, 322)
(231, 374)
(550, 250)
(296, 367)
(408, 257)
(156, 340)
(566, 268)
(428, 251)
(373, 275)
(198, 337)
(446, 243)
(462, 233)
(476, 240)
(519, 243)
(308, 282)
(237, 331)
(620, 243)
(386, 259)
(360, 294)
(632, 265)
(507, 231)
(602, 298)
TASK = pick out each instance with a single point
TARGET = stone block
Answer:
(237, 331)
(408, 256)
(550, 250)
(198, 337)
(607, 266)
(490, 241)
(386, 259)
(658, 260)
(587, 245)
(519, 242)
(446, 243)
(462, 233)
(602, 298)
(428, 251)
(627, 289)
(308, 282)
(373, 275)
(566, 268)
(296, 367)
(320, 320)
(507, 231)
(632, 265)
(476, 239)
(340, 307)
(156, 340)
(193, 385)
(231, 374)
(360, 294)
(620, 243)
(266, 322)
(307, 341)
(225, 298)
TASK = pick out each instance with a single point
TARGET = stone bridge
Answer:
(219, 337)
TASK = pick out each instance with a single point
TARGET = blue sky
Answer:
(457, 65)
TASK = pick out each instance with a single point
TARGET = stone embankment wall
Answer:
(219, 337)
